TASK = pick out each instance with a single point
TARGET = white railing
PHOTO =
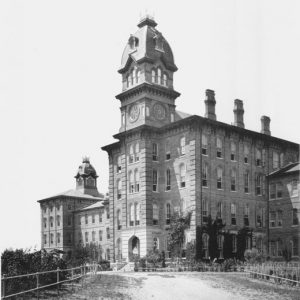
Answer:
(74, 274)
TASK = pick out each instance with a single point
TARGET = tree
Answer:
(179, 223)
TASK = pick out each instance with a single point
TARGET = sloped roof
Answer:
(288, 169)
(96, 205)
(77, 194)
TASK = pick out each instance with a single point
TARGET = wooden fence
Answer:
(71, 275)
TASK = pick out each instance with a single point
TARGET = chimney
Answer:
(210, 103)
(265, 125)
(238, 113)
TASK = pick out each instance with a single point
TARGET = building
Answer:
(76, 217)
(166, 161)
(284, 211)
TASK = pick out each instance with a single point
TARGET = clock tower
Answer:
(147, 68)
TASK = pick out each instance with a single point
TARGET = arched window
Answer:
(86, 236)
(168, 150)
(219, 147)
(58, 238)
(136, 181)
(100, 236)
(258, 157)
(204, 210)
(131, 154)
(138, 75)
(275, 160)
(119, 226)
(233, 151)
(246, 154)
(155, 214)
(58, 220)
(246, 182)
(132, 77)
(205, 240)
(246, 215)
(258, 184)
(137, 152)
(45, 222)
(90, 181)
(158, 75)
(165, 80)
(93, 236)
(107, 233)
(119, 164)
(154, 152)
(219, 177)
(128, 81)
(137, 213)
(233, 213)
(220, 245)
(51, 238)
(281, 160)
(131, 215)
(204, 174)
(219, 210)
(154, 179)
(153, 76)
(155, 243)
(131, 182)
(182, 172)
(168, 213)
(51, 221)
(233, 180)
(119, 189)
(204, 144)
(182, 146)
(168, 180)
(119, 249)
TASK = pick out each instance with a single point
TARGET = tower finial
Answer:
(85, 159)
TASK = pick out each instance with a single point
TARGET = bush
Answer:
(105, 265)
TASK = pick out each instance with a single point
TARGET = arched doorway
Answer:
(133, 247)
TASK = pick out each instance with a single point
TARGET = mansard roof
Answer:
(142, 46)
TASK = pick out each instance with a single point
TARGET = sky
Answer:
(58, 81)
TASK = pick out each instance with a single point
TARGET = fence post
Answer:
(37, 285)
(3, 287)
(57, 279)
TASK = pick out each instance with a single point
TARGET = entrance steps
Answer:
(129, 267)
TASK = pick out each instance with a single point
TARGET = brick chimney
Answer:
(265, 125)
(238, 113)
(210, 104)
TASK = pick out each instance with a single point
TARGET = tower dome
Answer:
(147, 44)
(86, 169)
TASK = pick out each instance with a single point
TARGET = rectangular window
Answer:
(168, 150)
(93, 218)
(279, 218)
(272, 219)
(295, 216)
(131, 154)
(93, 236)
(86, 219)
(100, 216)
(107, 213)
(51, 238)
(119, 166)
(233, 213)
(69, 220)
(219, 210)
(100, 235)
(182, 171)
(107, 233)
(204, 145)
(45, 238)
(154, 184)
(137, 152)
(86, 237)
(154, 152)
(246, 182)
(258, 220)
(272, 191)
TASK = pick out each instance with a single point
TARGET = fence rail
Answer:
(84, 270)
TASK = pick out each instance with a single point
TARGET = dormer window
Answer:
(159, 42)
(133, 42)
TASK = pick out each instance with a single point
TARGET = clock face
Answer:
(134, 113)
(159, 111)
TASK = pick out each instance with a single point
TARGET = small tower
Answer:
(86, 178)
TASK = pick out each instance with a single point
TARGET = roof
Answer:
(96, 205)
(288, 169)
(145, 47)
(86, 169)
(179, 115)
(76, 194)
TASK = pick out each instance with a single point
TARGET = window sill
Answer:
(219, 157)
